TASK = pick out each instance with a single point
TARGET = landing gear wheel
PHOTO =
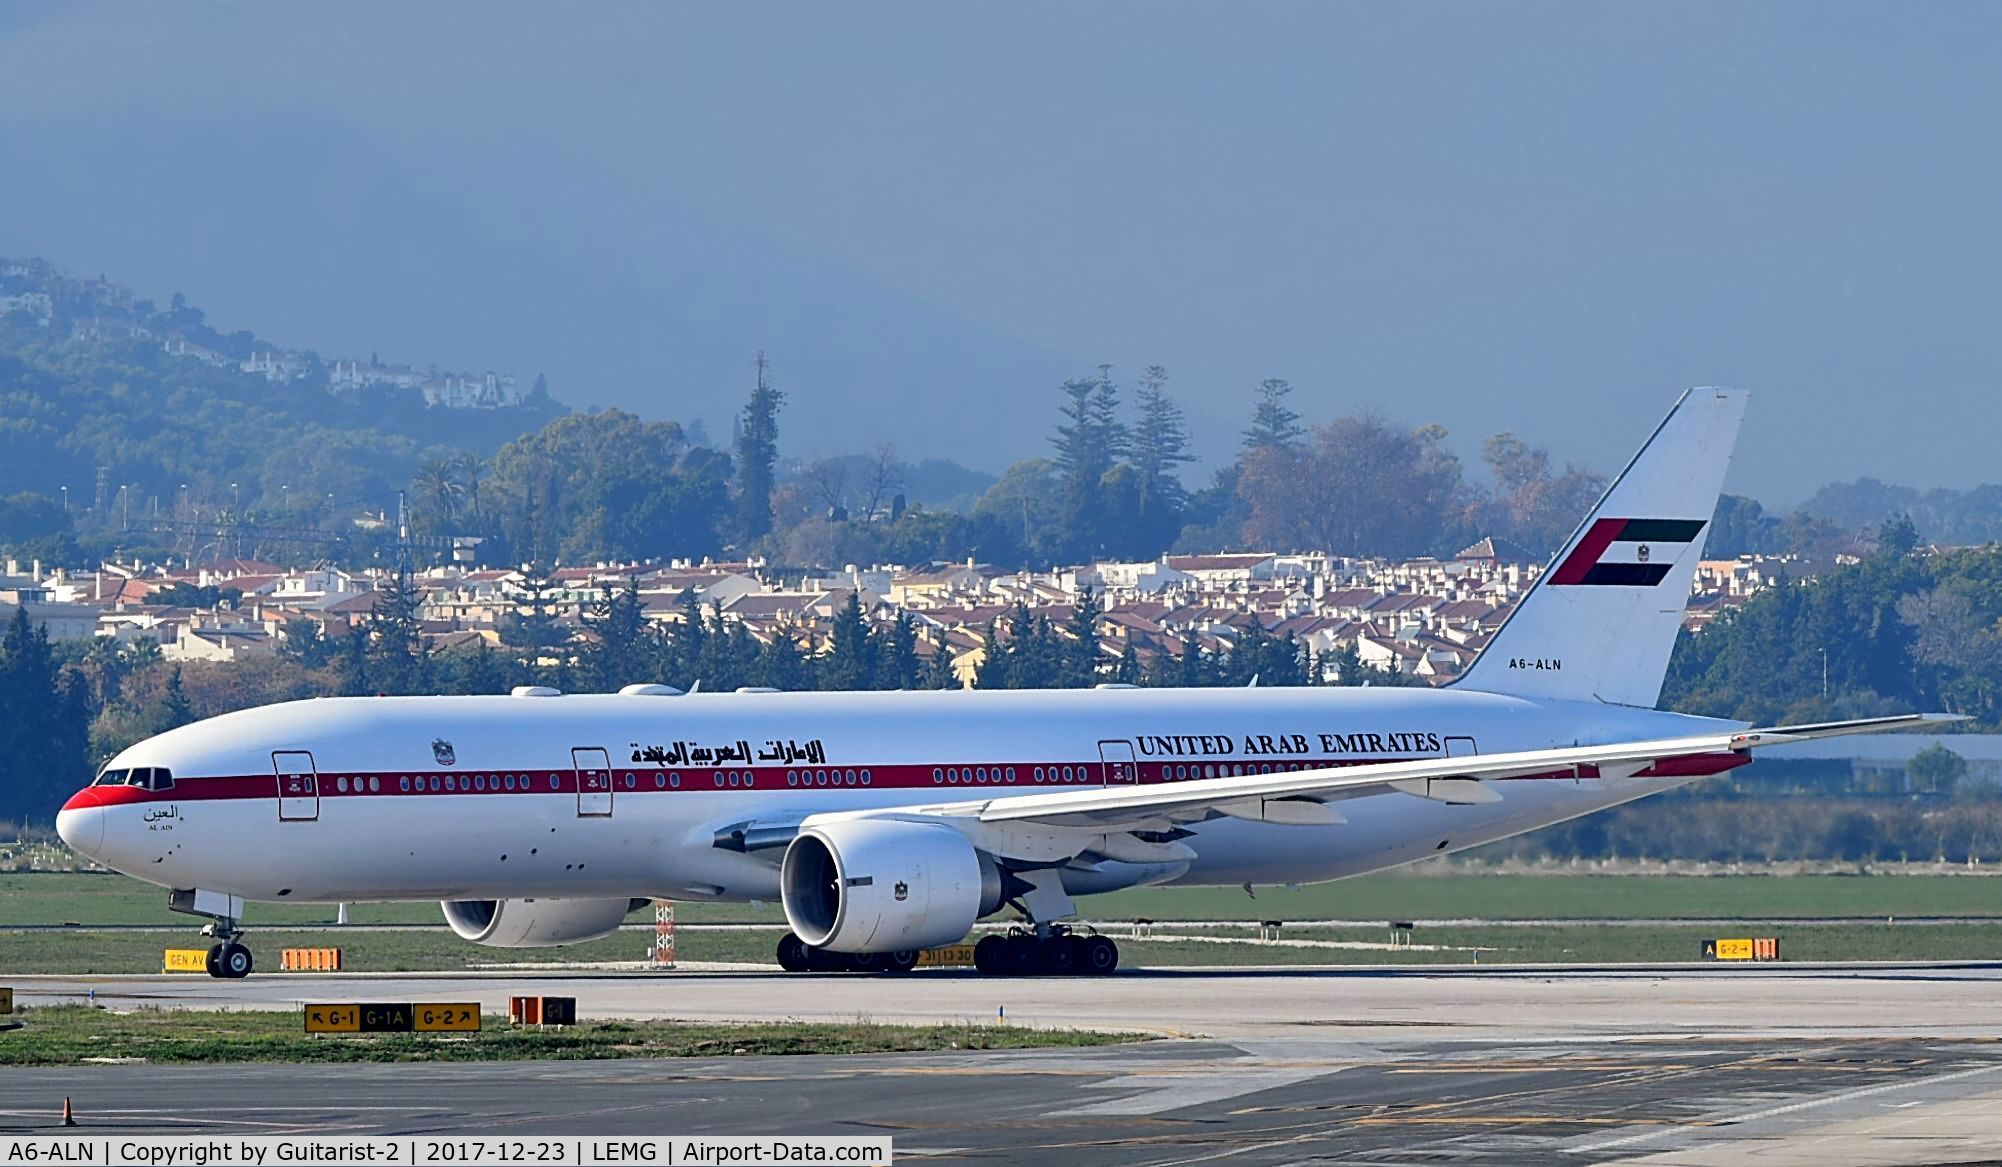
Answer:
(988, 956)
(1021, 956)
(866, 962)
(1100, 956)
(1060, 955)
(213, 962)
(233, 961)
(901, 961)
(793, 955)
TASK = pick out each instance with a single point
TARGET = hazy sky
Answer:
(1543, 217)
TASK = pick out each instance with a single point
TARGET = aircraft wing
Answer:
(1303, 796)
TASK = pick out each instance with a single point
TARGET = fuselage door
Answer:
(298, 786)
(594, 782)
(1460, 747)
(1120, 767)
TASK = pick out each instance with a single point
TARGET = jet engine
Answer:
(536, 923)
(885, 885)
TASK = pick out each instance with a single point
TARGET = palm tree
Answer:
(439, 489)
(468, 466)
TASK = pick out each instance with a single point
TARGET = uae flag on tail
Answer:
(1633, 553)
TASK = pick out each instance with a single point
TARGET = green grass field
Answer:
(69, 1035)
(404, 950)
(1762, 905)
(115, 899)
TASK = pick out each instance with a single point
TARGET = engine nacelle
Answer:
(884, 885)
(536, 923)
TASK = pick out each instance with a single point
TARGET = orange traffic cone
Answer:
(69, 1117)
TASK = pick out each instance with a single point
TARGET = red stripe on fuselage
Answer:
(1084, 775)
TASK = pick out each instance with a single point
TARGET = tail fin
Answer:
(1600, 622)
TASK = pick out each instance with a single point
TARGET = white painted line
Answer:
(1790, 1108)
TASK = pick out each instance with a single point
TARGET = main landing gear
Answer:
(795, 955)
(1020, 953)
(1062, 952)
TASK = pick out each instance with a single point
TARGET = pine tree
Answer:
(175, 708)
(681, 649)
(397, 646)
(481, 671)
(940, 674)
(1127, 670)
(353, 662)
(1088, 442)
(1078, 655)
(995, 664)
(851, 660)
(897, 665)
(1194, 672)
(757, 458)
(624, 654)
(533, 631)
(781, 665)
(1160, 443)
(1272, 424)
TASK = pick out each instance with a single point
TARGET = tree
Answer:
(829, 479)
(851, 659)
(881, 483)
(781, 665)
(532, 629)
(1936, 770)
(399, 658)
(1079, 652)
(1160, 442)
(175, 708)
(439, 492)
(939, 673)
(897, 664)
(1538, 509)
(1088, 441)
(624, 653)
(757, 458)
(1273, 425)
(303, 640)
(1898, 537)
(1362, 487)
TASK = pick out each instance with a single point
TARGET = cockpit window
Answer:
(144, 777)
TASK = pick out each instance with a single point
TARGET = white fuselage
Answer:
(447, 798)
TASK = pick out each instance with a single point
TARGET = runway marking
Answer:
(1491, 1120)
(1794, 1107)
(1549, 1068)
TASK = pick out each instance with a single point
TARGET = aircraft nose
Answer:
(81, 825)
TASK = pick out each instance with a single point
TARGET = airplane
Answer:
(885, 823)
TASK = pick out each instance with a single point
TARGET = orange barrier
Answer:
(310, 960)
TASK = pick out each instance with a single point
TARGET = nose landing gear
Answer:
(228, 958)
(230, 961)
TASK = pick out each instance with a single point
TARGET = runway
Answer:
(1682, 1065)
